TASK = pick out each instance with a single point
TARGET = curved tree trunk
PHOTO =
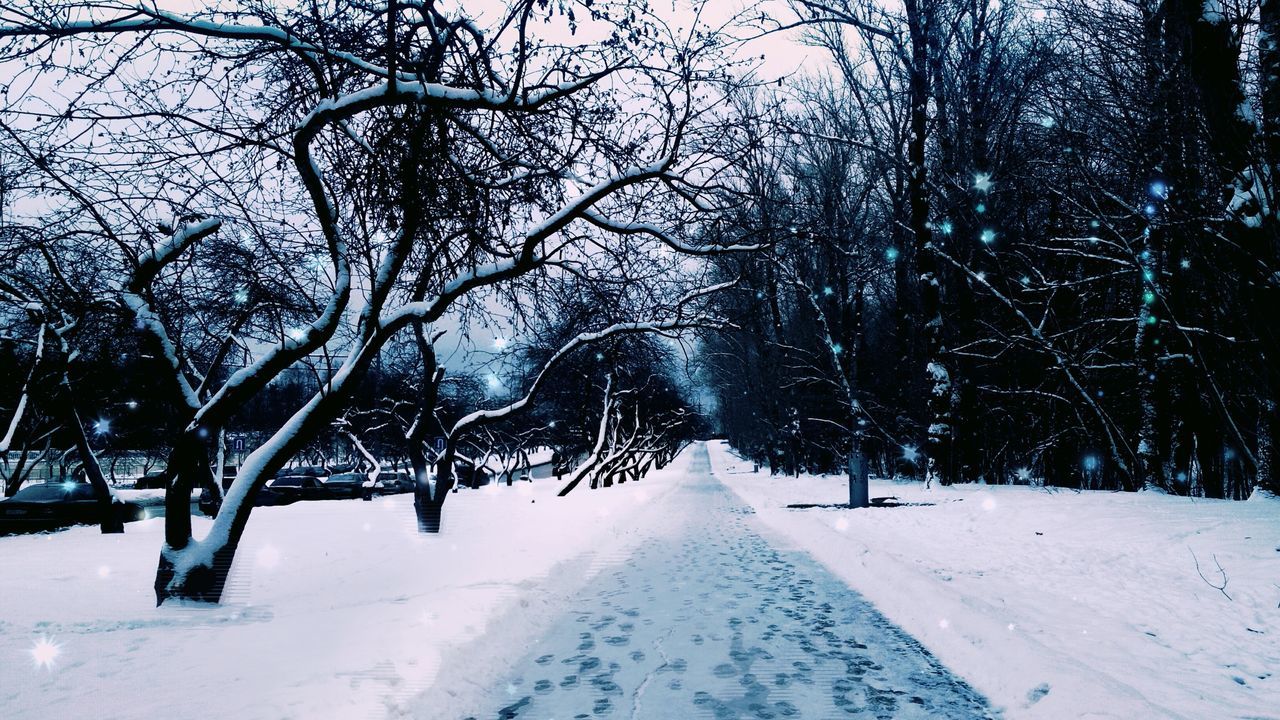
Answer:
(197, 571)
(111, 520)
(22, 469)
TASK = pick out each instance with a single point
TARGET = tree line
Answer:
(1014, 242)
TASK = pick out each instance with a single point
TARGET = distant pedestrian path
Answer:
(711, 621)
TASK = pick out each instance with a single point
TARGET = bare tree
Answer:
(496, 155)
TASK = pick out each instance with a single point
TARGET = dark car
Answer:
(59, 504)
(151, 481)
(294, 488)
(285, 494)
(346, 485)
(209, 502)
(314, 471)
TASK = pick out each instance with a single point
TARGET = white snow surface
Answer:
(1057, 604)
(335, 609)
(342, 610)
(154, 496)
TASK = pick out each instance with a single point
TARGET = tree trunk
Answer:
(1146, 340)
(1210, 452)
(430, 511)
(201, 583)
(198, 571)
(428, 501)
(188, 468)
(1266, 478)
(111, 520)
(568, 488)
(1269, 65)
(859, 491)
(938, 466)
(19, 474)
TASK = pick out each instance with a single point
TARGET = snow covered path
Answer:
(708, 619)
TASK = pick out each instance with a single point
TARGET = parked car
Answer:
(151, 481)
(267, 497)
(393, 483)
(58, 504)
(294, 488)
(210, 503)
(314, 471)
(346, 485)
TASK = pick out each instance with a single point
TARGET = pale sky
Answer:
(783, 55)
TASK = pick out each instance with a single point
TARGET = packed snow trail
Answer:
(709, 620)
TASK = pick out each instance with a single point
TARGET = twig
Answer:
(1220, 588)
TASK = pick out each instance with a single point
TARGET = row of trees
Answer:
(339, 186)
(996, 241)
(1016, 241)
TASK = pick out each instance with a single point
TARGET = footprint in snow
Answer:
(1037, 693)
(724, 670)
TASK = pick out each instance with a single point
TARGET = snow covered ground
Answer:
(709, 619)
(1054, 605)
(1058, 604)
(335, 609)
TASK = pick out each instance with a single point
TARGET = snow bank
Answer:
(335, 609)
(146, 497)
(1058, 604)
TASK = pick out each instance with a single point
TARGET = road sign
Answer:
(437, 442)
(238, 444)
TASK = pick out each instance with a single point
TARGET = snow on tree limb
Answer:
(637, 228)
(582, 339)
(25, 393)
